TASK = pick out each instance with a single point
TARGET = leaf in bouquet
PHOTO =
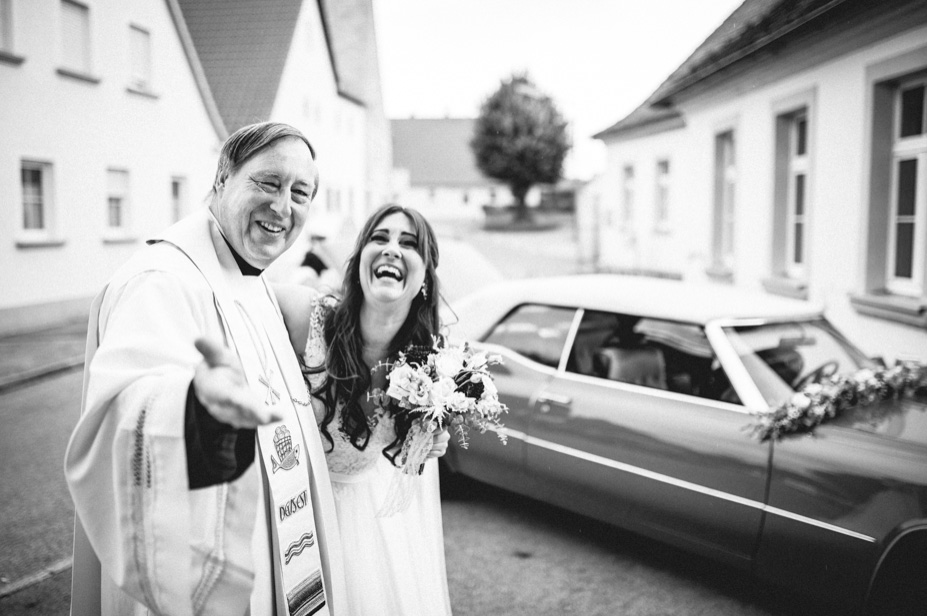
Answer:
(461, 430)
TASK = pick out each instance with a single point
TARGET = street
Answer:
(505, 554)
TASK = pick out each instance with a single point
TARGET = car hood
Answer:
(904, 419)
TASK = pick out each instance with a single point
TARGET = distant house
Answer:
(113, 113)
(109, 132)
(434, 170)
(788, 153)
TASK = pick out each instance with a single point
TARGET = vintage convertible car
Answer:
(631, 401)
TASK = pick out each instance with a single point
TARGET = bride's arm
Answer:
(296, 304)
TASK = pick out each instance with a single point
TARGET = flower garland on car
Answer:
(445, 386)
(816, 403)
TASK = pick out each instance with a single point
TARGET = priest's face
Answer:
(262, 206)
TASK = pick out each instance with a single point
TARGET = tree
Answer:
(520, 138)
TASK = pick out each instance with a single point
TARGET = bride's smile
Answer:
(392, 270)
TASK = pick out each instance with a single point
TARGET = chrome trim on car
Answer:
(818, 523)
(508, 432)
(733, 366)
(571, 336)
(680, 483)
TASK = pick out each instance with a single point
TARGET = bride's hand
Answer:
(439, 443)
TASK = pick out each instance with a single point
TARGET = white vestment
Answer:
(166, 549)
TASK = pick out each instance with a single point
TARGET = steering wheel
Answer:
(823, 371)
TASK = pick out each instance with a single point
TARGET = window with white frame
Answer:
(75, 36)
(37, 199)
(725, 184)
(895, 266)
(797, 195)
(140, 51)
(117, 200)
(661, 196)
(6, 25)
(178, 198)
(792, 205)
(907, 214)
(627, 196)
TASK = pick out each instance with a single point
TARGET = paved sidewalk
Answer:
(29, 356)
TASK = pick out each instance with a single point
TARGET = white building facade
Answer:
(113, 113)
(107, 137)
(802, 171)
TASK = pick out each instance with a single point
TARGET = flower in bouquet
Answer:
(446, 386)
(816, 403)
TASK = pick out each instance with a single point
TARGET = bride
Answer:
(394, 564)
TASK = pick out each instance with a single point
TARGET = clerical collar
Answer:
(246, 268)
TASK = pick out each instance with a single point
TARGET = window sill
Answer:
(119, 239)
(788, 287)
(78, 75)
(39, 242)
(898, 308)
(640, 271)
(9, 58)
(142, 91)
(720, 274)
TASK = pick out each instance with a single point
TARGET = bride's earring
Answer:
(424, 290)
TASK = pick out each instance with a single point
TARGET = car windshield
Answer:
(783, 357)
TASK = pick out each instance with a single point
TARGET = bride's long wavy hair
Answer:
(348, 378)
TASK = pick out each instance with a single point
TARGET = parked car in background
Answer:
(631, 400)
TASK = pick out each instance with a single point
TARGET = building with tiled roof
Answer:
(434, 169)
(787, 153)
(312, 64)
(110, 133)
(152, 89)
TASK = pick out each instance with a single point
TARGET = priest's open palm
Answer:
(221, 386)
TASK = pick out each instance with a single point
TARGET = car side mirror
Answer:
(879, 361)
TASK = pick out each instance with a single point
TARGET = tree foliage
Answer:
(520, 138)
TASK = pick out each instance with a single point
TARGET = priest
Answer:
(196, 468)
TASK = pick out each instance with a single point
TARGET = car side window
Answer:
(538, 332)
(652, 353)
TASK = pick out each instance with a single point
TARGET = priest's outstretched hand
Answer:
(221, 386)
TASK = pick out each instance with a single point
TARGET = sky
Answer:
(597, 59)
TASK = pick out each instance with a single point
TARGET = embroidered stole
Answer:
(256, 331)
(283, 453)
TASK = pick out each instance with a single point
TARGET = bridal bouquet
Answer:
(445, 386)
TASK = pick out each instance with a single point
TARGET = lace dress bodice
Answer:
(344, 458)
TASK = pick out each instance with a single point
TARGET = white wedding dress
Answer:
(394, 566)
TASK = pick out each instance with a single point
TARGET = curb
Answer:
(30, 580)
(12, 381)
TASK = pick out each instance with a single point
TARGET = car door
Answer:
(531, 340)
(642, 428)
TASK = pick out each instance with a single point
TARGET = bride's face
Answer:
(391, 269)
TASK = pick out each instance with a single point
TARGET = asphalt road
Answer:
(36, 509)
(511, 555)
(505, 554)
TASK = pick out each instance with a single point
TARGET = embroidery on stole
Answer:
(282, 451)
